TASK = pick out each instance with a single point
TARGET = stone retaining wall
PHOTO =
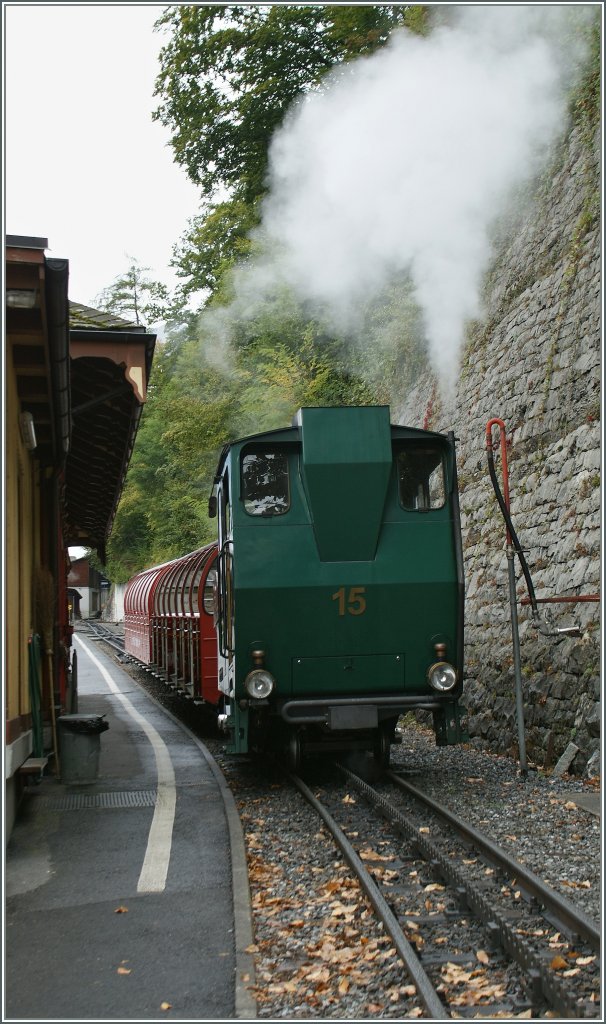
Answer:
(535, 363)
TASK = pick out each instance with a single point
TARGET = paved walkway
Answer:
(119, 894)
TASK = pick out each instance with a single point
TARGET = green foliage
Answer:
(211, 245)
(129, 543)
(229, 74)
(586, 98)
(134, 297)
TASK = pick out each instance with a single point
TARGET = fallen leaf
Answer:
(166, 1006)
(319, 974)
(347, 799)
(424, 830)
(434, 887)
(343, 987)
(124, 970)
(454, 974)
(370, 854)
(558, 963)
(121, 910)
(570, 806)
(279, 989)
(415, 1012)
(482, 956)
(571, 973)
(584, 960)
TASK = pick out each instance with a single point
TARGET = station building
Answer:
(91, 587)
(75, 383)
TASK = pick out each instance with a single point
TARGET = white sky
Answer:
(85, 165)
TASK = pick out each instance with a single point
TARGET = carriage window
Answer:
(265, 486)
(421, 483)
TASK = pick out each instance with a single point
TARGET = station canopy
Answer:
(82, 377)
(110, 364)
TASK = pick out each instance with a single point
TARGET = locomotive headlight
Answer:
(442, 676)
(259, 683)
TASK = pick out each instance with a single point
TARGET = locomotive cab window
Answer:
(421, 478)
(265, 483)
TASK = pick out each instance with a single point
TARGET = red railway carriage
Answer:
(168, 622)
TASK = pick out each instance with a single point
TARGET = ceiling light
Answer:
(28, 434)
(22, 298)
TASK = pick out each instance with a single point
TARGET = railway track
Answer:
(475, 930)
(98, 631)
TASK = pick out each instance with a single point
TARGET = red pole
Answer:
(490, 446)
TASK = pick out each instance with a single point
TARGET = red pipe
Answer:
(490, 446)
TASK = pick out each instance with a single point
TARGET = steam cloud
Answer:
(405, 161)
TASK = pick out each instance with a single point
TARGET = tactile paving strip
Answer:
(84, 801)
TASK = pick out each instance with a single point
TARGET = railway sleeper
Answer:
(554, 990)
(496, 1010)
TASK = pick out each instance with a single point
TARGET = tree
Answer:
(134, 297)
(213, 242)
(229, 74)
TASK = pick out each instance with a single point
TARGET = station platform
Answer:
(127, 898)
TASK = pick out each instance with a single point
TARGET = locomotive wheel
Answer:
(293, 751)
(382, 749)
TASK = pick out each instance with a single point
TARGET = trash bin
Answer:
(79, 747)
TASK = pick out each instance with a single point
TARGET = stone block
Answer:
(566, 760)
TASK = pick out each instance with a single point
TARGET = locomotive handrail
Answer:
(224, 649)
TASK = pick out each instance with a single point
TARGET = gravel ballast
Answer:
(309, 916)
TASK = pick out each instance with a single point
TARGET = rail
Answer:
(493, 913)
(415, 969)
